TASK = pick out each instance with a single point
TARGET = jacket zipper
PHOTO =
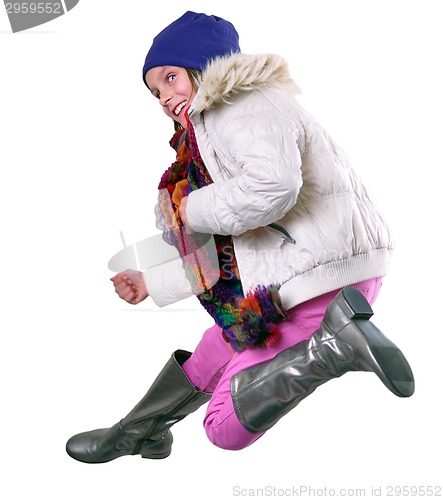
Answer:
(282, 232)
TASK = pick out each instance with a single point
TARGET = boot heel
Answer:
(158, 449)
(357, 307)
(157, 456)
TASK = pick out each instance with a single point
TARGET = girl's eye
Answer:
(170, 78)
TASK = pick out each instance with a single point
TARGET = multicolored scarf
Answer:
(247, 320)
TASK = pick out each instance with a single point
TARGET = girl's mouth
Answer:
(178, 109)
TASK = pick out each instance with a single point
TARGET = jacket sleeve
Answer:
(260, 152)
(167, 283)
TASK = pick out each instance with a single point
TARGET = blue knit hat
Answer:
(191, 41)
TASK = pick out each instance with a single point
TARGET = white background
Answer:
(82, 146)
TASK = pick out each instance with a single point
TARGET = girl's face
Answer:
(173, 88)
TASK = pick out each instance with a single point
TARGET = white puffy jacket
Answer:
(271, 162)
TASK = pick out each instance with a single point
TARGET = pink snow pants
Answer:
(212, 365)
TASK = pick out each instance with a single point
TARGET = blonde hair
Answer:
(195, 76)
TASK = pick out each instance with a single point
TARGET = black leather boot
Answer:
(346, 341)
(145, 430)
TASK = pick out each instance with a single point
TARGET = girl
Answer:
(300, 250)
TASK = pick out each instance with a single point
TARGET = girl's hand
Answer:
(183, 216)
(130, 286)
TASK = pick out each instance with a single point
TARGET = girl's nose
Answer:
(164, 100)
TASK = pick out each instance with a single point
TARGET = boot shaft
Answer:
(170, 398)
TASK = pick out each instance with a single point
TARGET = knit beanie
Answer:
(191, 41)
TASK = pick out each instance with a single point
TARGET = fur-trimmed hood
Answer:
(230, 75)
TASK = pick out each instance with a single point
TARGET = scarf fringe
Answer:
(256, 323)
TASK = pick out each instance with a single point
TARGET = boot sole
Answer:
(381, 355)
(158, 456)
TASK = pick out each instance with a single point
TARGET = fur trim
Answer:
(230, 75)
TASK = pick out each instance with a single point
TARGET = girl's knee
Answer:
(230, 434)
(225, 443)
